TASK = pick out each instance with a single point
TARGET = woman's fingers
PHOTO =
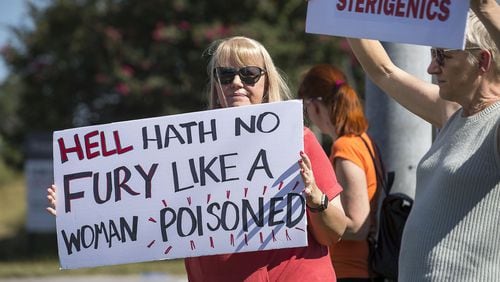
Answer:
(51, 198)
(51, 211)
(306, 170)
(305, 160)
(310, 189)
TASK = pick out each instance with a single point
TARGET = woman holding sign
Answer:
(242, 73)
(452, 231)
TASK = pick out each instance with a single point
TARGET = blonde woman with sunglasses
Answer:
(452, 233)
(242, 73)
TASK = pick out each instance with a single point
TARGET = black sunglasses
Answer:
(440, 54)
(248, 75)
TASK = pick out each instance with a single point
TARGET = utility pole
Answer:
(403, 137)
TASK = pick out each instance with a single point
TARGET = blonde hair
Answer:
(477, 36)
(245, 52)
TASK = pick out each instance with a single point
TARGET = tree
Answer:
(97, 61)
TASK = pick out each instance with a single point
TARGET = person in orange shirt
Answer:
(334, 107)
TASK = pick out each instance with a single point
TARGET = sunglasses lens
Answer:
(249, 75)
(438, 55)
(225, 75)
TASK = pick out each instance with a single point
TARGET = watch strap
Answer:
(322, 207)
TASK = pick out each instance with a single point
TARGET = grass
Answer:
(29, 255)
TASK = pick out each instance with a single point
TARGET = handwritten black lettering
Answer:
(267, 122)
(88, 236)
(115, 180)
(180, 133)
(230, 216)
(215, 169)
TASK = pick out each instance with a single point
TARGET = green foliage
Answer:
(97, 61)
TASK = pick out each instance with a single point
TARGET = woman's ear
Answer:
(485, 60)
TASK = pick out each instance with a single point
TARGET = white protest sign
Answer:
(204, 183)
(439, 23)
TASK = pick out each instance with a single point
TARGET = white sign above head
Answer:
(212, 182)
(438, 23)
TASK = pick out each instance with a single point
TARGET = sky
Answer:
(12, 12)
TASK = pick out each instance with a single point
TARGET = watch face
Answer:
(325, 202)
(322, 207)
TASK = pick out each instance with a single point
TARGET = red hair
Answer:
(330, 83)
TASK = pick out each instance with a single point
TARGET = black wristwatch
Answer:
(322, 207)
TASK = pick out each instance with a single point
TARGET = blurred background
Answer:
(72, 63)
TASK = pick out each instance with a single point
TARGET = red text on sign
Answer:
(94, 145)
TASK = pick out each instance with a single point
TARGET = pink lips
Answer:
(236, 94)
(239, 94)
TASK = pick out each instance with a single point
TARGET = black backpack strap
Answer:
(384, 181)
(373, 233)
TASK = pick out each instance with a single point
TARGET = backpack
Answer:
(385, 236)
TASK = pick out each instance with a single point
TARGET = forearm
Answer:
(329, 225)
(372, 57)
(419, 97)
(355, 231)
(354, 198)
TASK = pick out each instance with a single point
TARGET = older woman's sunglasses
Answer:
(439, 54)
(248, 75)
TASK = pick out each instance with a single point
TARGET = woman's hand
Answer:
(312, 193)
(51, 197)
(328, 225)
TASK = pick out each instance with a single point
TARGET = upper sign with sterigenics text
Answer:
(204, 183)
(439, 23)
